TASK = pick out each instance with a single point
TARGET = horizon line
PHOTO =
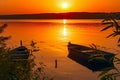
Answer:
(54, 13)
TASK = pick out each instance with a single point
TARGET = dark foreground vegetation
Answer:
(19, 69)
(111, 73)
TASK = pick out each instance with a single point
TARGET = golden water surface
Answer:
(52, 37)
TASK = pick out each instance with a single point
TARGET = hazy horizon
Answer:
(55, 13)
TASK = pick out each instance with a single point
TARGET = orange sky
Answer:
(53, 6)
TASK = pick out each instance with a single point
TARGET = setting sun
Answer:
(64, 5)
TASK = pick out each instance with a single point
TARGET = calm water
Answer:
(52, 37)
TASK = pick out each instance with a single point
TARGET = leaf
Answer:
(107, 22)
(116, 59)
(106, 77)
(33, 44)
(107, 27)
(118, 40)
(93, 46)
(110, 35)
(116, 33)
(3, 27)
(118, 45)
(104, 71)
(35, 50)
(116, 24)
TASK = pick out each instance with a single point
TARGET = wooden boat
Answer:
(20, 53)
(95, 60)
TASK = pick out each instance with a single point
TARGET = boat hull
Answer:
(20, 53)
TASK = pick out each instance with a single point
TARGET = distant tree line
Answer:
(69, 15)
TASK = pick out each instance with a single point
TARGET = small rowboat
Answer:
(20, 53)
(93, 59)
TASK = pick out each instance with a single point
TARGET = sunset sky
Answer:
(56, 6)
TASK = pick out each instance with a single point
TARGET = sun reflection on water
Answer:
(64, 28)
(64, 21)
(64, 31)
